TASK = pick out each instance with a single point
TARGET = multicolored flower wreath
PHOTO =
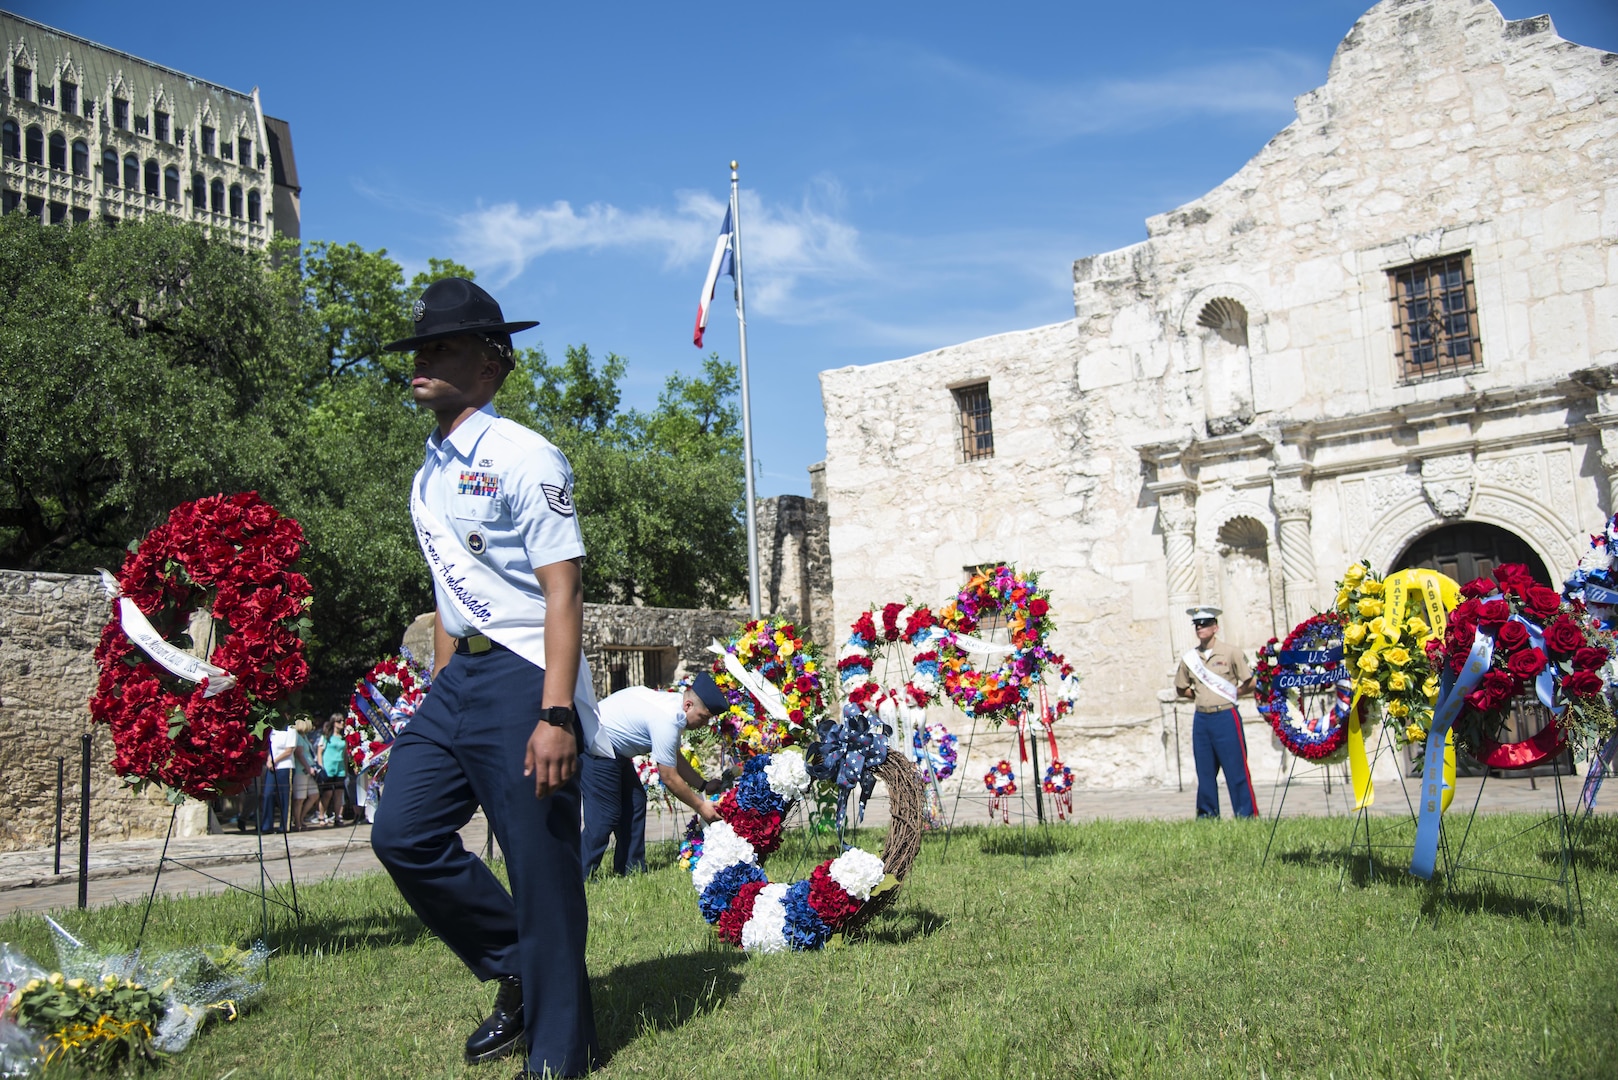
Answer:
(999, 694)
(1059, 785)
(383, 701)
(771, 650)
(1532, 636)
(867, 644)
(1309, 662)
(1001, 782)
(735, 894)
(231, 555)
(934, 747)
(1594, 583)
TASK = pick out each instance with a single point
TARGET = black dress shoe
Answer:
(502, 1032)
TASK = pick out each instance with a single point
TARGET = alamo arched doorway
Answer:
(1470, 549)
(1473, 549)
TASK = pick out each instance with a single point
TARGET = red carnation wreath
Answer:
(230, 554)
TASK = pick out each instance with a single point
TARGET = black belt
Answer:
(476, 645)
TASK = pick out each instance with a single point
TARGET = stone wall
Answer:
(794, 555)
(1228, 404)
(49, 625)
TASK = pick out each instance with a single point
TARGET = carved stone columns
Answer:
(1177, 515)
(1293, 503)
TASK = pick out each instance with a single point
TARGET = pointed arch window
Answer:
(81, 158)
(58, 151)
(34, 143)
(153, 183)
(11, 139)
(109, 169)
(132, 172)
(171, 184)
(216, 196)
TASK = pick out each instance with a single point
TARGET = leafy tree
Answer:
(147, 365)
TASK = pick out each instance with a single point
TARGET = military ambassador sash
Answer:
(499, 610)
(1217, 683)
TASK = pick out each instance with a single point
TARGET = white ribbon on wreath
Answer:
(773, 700)
(174, 661)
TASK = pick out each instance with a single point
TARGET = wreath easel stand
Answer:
(1366, 840)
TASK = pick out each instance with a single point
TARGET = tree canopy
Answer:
(147, 365)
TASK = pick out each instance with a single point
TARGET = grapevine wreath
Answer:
(734, 892)
(230, 555)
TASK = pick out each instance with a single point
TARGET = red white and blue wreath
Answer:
(737, 897)
(1310, 661)
(933, 747)
(867, 643)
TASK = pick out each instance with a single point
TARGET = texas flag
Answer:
(720, 265)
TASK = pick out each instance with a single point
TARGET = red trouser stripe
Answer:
(1241, 738)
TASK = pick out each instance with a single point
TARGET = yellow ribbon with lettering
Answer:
(1438, 595)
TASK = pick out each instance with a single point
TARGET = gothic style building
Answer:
(1392, 335)
(91, 132)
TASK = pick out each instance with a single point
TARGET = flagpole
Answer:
(747, 411)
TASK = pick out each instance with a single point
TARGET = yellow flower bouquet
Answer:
(1386, 626)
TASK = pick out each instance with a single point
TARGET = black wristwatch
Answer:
(562, 716)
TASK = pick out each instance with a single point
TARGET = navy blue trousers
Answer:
(1217, 744)
(275, 802)
(465, 748)
(614, 806)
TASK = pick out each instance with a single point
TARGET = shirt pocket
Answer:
(476, 507)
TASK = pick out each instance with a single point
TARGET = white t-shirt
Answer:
(640, 720)
(282, 740)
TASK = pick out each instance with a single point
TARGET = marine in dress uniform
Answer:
(1213, 675)
(493, 509)
(641, 720)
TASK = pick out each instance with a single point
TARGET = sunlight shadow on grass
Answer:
(1549, 907)
(1032, 841)
(661, 994)
(906, 924)
(1378, 870)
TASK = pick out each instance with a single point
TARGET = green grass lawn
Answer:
(1111, 949)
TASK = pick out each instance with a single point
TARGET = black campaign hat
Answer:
(454, 306)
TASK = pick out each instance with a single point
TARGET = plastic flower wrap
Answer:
(1383, 650)
(789, 666)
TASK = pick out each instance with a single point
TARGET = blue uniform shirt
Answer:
(640, 720)
(507, 494)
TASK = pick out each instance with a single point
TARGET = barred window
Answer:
(977, 422)
(1435, 313)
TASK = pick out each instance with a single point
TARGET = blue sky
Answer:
(914, 174)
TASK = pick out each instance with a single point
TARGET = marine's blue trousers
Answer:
(1217, 743)
(465, 748)
(614, 806)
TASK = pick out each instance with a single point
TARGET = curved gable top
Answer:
(1454, 67)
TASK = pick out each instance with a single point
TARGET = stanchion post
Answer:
(61, 781)
(84, 821)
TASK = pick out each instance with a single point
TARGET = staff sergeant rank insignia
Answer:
(559, 498)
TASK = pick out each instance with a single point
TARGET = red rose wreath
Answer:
(230, 553)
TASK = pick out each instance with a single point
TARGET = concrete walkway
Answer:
(123, 872)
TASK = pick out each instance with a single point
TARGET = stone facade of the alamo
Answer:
(1393, 334)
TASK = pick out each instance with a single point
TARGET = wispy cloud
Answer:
(784, 244)
(1262, 84)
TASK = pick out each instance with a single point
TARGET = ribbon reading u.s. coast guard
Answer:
(489, 602)
(1438, 596)
(1451, 700)
(174, 661)
(1217, 683)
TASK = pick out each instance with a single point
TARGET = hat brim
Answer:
(411, 343)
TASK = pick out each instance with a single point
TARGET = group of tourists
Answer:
(306, 778)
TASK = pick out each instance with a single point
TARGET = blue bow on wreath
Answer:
(847, 755)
